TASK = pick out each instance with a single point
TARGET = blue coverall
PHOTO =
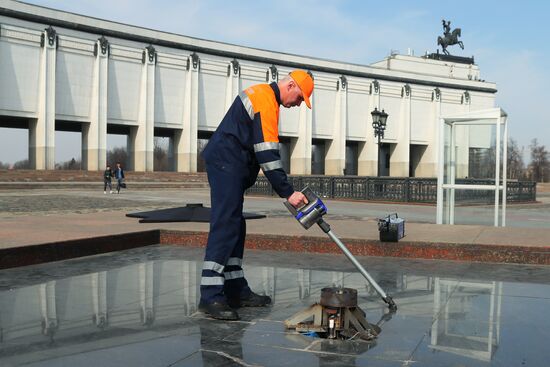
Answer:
(245, 141)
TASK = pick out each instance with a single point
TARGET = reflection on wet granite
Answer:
(139, 308)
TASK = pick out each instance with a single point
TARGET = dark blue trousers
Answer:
(222, 274)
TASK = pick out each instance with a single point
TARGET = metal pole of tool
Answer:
(311, 213)
(326, 228)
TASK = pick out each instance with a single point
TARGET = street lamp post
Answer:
(379, 119)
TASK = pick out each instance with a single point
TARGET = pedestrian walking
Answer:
(119, 175)
(107, 178)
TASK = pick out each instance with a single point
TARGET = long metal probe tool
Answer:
(385, 297)
(312, 213)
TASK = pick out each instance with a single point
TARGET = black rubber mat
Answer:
(188, 213)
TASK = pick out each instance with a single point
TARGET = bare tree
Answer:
(160, 159)
(540, 165)
(72, 164)
(160, 153)
(4, 165)
(117, 154)
(516, 167)
(23, 164)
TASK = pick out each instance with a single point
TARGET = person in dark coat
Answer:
(119, 175)
(107, 178)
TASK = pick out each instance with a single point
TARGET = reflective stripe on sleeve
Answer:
(270, 166)
(260, 147)
(214, 266)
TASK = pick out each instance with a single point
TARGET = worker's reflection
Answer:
(221, 342)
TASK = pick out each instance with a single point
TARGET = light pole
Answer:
(379, 125)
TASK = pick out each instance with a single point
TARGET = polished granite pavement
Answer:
(139, 308)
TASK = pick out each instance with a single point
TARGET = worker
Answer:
(246, 140)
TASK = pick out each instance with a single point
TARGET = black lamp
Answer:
(379, 119)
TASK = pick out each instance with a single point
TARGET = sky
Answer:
(508, 39)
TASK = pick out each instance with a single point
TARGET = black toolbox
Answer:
(391, 228)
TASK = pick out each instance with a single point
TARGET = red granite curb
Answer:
(417, 250)
(63, 250)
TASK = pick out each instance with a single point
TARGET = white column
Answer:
(42, 132)
(131, 146)
(233, 85)
(300, 158)
(94, 134)
(143, 142)
(427, 167)
(335, 160)
(399, 166)
(368, 151)
(186, 140)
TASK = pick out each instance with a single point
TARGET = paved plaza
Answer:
(15, 203)
(139, 308)
(33, 217)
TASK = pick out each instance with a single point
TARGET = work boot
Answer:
(219, 310)
(252, 300)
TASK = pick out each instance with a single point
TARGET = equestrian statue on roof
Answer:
(449, 38)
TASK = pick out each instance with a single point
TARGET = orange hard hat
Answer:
(305, 82)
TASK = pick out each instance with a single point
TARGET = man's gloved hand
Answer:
(297, 199)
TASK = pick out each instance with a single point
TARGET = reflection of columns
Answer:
(185, 140)
(400, 157)
(468, 299)
(300, 159)
(99, 298)
(304, 283)
(48, 309)
(269, 282)
(436, 311)
(337, 279)
(42, 130)
(190, 287)
(143, 142)
(368, 151)
(232, 87)
(427, 167)
(195, 273)
(147, 311)
(498, 311)
(335, 160)
(94, 134)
